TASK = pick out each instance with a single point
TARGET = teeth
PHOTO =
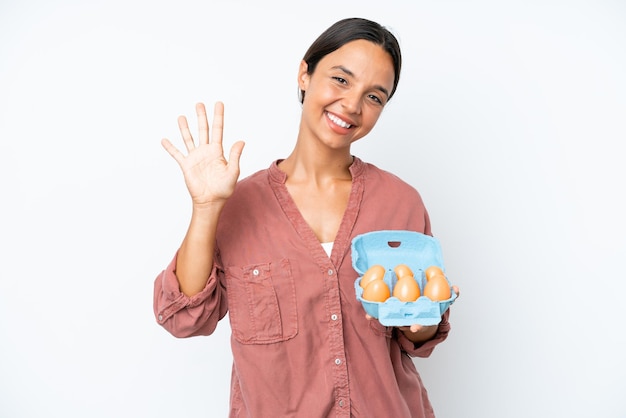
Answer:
(338, 121)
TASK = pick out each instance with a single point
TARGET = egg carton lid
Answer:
(391, 247)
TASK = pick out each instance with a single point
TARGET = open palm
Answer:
(209, 177)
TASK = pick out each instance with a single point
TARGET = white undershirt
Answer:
(328, 247)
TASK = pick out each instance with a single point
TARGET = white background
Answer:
(510, 119)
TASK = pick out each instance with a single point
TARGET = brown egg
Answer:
(376, 272)
(406, 289)
(376, 291)
(437, 288)
(402, 270)
(431, 271)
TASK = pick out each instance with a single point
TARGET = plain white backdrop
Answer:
(510, 119)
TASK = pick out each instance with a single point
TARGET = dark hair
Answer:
(352, 29)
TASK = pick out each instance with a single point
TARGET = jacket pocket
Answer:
(262, 302)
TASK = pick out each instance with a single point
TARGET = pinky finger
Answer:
(172, 150)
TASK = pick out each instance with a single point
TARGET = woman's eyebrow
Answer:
(351, 74)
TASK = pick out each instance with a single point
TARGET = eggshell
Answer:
(402, 270)
(406, 289)
(437, 288)
(376, 272)
(376, 291)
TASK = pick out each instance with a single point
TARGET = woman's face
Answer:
(346, 93)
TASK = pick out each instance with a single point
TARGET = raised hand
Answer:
(209, 177)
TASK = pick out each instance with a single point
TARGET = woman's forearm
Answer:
(195, 255)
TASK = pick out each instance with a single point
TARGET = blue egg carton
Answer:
(390, 248)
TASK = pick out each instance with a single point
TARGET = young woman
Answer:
(273, 250)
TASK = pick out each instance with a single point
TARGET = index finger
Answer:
(218, 123)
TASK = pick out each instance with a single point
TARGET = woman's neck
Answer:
(306, 165)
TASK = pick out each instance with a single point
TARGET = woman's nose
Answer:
(351, 102)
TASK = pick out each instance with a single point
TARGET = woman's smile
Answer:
(338, 124)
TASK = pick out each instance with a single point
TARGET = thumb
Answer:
(235, 155)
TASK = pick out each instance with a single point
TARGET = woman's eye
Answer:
(376, 99)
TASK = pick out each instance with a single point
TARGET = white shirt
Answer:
(328, 247)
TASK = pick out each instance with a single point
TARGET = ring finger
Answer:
(183, 126)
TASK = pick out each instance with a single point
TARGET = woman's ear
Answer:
(303, 76)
